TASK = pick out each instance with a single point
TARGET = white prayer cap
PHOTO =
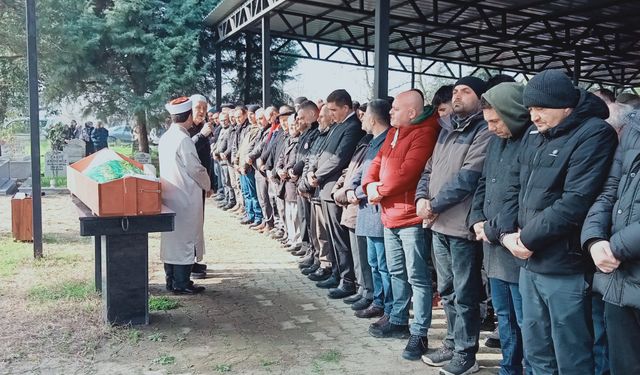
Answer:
(197, 98)
(178, 105)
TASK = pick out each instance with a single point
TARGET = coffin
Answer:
(127, 196)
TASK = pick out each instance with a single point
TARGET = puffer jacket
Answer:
(615, 216)
(451, 176)
(368, 221)
(398, 167)
(560, 174)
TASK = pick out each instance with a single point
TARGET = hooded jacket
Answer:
(398, 167)
(451, 176)
(615, 217)
(560, 174)
(501, 158)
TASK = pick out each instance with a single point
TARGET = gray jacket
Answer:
(451, 175)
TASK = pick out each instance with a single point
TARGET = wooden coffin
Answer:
(128, 196)
(22, 218)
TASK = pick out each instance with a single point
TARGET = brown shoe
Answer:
(380, 322)
(370, 312)
(267, 228)
(259, 227)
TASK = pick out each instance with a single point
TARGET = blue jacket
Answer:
(368, 223)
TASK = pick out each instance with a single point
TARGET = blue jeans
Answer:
(406, 253)
(250, 194)
(556, 323)
(507, 303)
(600, 345)
(458, 262)
(382, 294)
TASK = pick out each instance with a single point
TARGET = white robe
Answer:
(183, 179)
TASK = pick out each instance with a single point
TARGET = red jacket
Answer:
(399, 169)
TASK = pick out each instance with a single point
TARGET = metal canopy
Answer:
(517, 36)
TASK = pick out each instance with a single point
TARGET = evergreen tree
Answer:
(127, 57)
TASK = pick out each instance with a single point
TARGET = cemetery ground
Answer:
(257, 316)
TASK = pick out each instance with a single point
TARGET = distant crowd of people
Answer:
(518, 201)
(95, 138)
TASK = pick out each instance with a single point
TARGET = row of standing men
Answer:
(504, 182)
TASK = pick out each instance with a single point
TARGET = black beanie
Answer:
(477, 85)
(550, 89)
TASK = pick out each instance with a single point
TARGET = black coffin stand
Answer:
(121, 260)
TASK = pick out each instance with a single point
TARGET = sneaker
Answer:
(438, 358)
(460, 366)
(390, 330)
(415, 348)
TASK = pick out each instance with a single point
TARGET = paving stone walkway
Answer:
(260, 305)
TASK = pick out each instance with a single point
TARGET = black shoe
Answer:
(300, 252)
(488, 324)
(362, 304)
(353, 299)
(321, 274)
(191, 289)
(389, 330)
(460, 366)
(330, 282)
(309, 270)
(438, 358)
(229, 206)
(306, 261)
(370, 312)
(415, 348)
(342, 291)
(493, 341)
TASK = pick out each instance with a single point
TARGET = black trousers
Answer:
(340, 241)
(178, 275)
(623, 331)
(304, 215)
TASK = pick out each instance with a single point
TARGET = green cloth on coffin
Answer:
(112, 170)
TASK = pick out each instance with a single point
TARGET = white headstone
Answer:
(142, 157)
(74, 150)
(55, 164)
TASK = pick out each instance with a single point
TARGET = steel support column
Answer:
(576, 68)
(34, 117)
(381, 64)
(218, 73)
(266, 61)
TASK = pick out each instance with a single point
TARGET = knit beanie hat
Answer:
(476, 84)
(550, 89)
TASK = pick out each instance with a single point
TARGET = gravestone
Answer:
(142, 157)
(7, 185)
(74, 150)
(55, 164)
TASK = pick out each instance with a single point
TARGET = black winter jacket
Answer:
(615, 217)
(561, 172)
